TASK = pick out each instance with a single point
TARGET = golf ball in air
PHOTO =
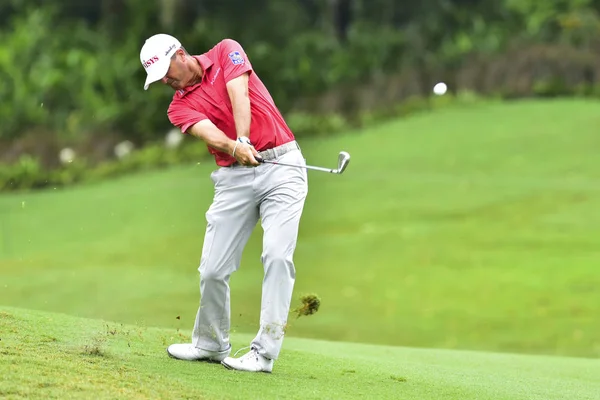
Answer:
(440, 88)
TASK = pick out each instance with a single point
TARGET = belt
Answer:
(271, 154)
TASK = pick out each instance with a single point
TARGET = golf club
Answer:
(343, 160)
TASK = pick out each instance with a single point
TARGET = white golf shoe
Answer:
(189, 352)
(251, 362)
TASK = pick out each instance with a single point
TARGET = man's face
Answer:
(178, 75)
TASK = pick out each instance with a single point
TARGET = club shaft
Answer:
(332, 171)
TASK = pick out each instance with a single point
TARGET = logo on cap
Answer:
(169, 49)
(149, 62)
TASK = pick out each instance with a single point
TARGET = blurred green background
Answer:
(467, 220)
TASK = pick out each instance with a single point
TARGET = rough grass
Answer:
(54, 356)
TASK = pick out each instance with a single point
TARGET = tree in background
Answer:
(70, 69)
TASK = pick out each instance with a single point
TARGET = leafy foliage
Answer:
(71, 68)
(27, 173)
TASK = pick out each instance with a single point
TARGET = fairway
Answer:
(472, 228)
(53, 356)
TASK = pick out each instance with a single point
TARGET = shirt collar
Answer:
(205, 62)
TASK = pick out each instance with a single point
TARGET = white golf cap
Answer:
(156, 56)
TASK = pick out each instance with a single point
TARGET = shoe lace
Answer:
(253, 353)
(242, 349)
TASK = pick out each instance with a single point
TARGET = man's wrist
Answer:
(244, 139)
(232, 146)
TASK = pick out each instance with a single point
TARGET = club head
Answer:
(343, 160)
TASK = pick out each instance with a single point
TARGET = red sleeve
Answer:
(234, 60)
(183, 116)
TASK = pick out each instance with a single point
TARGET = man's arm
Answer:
(237, 89)
(215, 138)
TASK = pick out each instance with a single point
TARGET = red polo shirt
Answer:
(209, 100)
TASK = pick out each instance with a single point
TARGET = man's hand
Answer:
(241, 149)
(244, 152)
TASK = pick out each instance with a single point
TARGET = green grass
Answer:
(54, 356)
(470, 228)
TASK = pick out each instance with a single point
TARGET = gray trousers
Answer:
(274, 194)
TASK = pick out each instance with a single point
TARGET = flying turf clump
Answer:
(310, 305)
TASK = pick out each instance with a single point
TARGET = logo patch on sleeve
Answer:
(236, 58)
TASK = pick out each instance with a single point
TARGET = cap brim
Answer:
(158, 72)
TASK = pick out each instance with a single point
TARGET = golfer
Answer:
(220, 99)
